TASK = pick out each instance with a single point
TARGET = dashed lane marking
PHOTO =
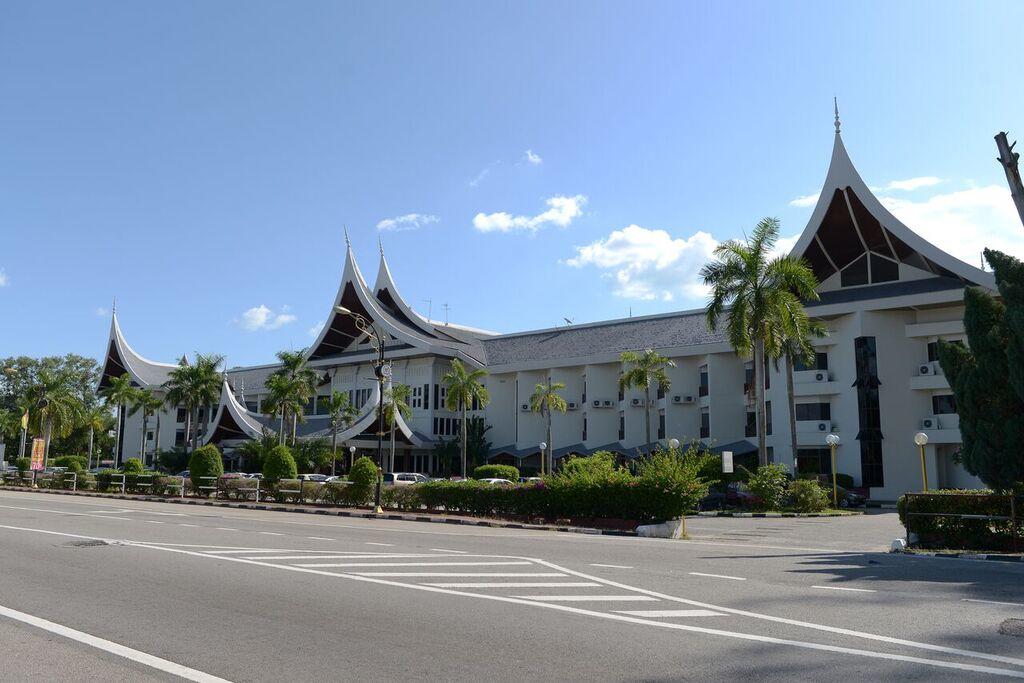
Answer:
(844, 588)
(319, 538)
(718, 576)
(423, 564)
(514, 584)
(387, 545)
(464, 575)
(994, 602)
(670, 613)
(340, 556)
(587, 598)
(269, 533)
(611, 566)
(445, 550)
(225, 528)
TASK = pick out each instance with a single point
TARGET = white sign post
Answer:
(727, 462)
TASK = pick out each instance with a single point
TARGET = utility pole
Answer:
(1008, 160)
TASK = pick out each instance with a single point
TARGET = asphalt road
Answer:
(126, 590)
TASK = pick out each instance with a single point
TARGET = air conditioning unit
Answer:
(525, 407)
(823, 426)
(572, 405)
(930, 422)
(682, 398)
(596, 403)
(930, 368)
(637, 402)
(607, 403)
(821, 376)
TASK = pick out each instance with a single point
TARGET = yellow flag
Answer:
(24, 420)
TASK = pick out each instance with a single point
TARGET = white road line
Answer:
(319, 538)
(389, 545)
(611, 566)
(511, 584)
(241, 551)
(225, 528)
(670, 613)
(718, 576)
(504, 575)
(269, 533)
(843, 588)
(338, 557)
(421, 564)
(192, 525)
(445, 550)
(994, 602)
(587, 598)
(112, 647)
(155, 521)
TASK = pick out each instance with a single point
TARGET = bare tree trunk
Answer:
(791, 400)
(334, 449)
(188, 428)
(281, 432)
(647, 413)
(391, 465)
(91, 431)
(117, 435)
(762, 449)
(46, 450)
(549, 456)
(156, 444)
(464, 438)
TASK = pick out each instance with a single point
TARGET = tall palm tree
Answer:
(761, 297)
(59, 409)
(462, 387)
(208, 386)
(296, 385)
(121, 393)
(395, 404)
(96, 419)
(543, 400)
(191, 386)
(10, 424)
(149, 403)
(342, 415)
(798, 348)
(641, 371)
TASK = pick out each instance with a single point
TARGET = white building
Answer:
(887, 297)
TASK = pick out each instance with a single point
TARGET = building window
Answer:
(871, 463)
(813, 412)
(820, 362)
(622, 425)
(813, 461)
(661, 423)
(661, 390)
(584, 400)
(705, 423)
(750, 428)
(182, 414)
(703, 389)
(584, 427)
(856, 273)
(416, 400)
(252, 406)
(149, 436)
(768, 418)
(933, 349)
(868, 412)
(179, 438)
(622, 393)
(748, 378)
(944, 404)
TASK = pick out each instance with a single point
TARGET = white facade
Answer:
(886, 295)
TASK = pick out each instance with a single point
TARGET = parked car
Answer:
(234, 475)
(530, 480)
(313, 477)
(404, 478)
(497, 481)
(715, 500)
(183, 473)
(739, 495)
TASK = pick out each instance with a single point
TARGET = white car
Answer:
(499, 482)
(320, 478)
(404, 478)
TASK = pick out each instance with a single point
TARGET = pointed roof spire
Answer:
(113, 306)
(348, 242)
(380, 243)
(835, 104)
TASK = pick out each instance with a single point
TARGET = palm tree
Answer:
(296, 385)
(645, 369)
(194, 385)
(761, 296)
(284, 398)
(120, 392)
(794, 349)
(544, 399)
(342, 415)
(395, 404)
(10, 424)
(463, 387)
(58, 408)
(208, 385)
(96, 419)
(149, 403)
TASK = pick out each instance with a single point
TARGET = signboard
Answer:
(727, 462)
(38, 454)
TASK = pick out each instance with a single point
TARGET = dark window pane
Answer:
(750, 429)
(813, 411)
(871, 463)
(884, 270)
(856, 273)
(944, 405)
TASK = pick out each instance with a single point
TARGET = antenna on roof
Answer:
(430, 304)
(630, 311)
(380, 243)
(446, 307)
(567, 321)
(835, 105)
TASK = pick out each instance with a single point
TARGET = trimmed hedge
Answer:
(496, 472)
(133, 466)
(70, 461)
(807, 495)
(362, 479)
(205, 462)
(279, 464)
(940, 532)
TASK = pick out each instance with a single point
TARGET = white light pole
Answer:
(921, 439)
(351, 456)
(833, 440)
(543, 455)
(673, 443)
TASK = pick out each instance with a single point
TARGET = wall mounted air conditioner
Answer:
(606, 403)
(525, 407)
(930, 368)
(596, 403)
(572, 405)
(637, 402)
(930, 422)
(821, 376)
(682, 398)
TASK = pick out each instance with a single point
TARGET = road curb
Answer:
(989, 557)
(722, 513)
(273, 507)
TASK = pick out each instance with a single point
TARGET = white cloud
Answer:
(314, 331)
(805, 201)
(561, 211)
(3, 278)
(649, 264)
(964, 222)
(479, 177)
(910, 184)
(102, 312)
(410, 221)
(530, 157)
(263, 318)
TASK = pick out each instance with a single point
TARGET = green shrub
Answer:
(71, 462)
(598, 467)
(133, 466)
(806, 495)
(496, 472)
(362, 480)
(344, 493)
(205, 462)
(939, 532)
(279, 464)
(174, 460)
(769, 484)
(22, 464)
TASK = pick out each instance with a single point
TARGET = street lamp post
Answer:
(543, 455)
(673, 444)
(833, 440)
(921, 439)
(382, 371)
(351, 456)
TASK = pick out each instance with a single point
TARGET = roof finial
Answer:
(113, 306)
(835, 104)
(380, 243)
(347, 242)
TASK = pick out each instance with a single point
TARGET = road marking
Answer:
(225, 528)
(445, 550)
(112, 647)
(241, 551)
(417, 564)
(511, 584)
(389, 545)
(626, 618)
(669, 613)
(718, 576)
(504, 575)
(587, 598)
(994, 602)
(269, 533)
(155, 521)
(611, 566)
(338, 557)
(191, 525)
(843, 588)
(319, 538)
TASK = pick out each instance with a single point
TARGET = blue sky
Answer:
(558, 159)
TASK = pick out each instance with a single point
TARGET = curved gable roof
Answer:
(232, 420)
(121, 358)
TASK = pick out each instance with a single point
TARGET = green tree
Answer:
(291, 387)
(254, 452)
(987, 379)
(478, 446)
(97, 421)
(120, 392)
(146, 401)
(206, 462)
(279, 464)
(209, 381)
(793, 349)
(463, 387)
(395, 404)
(761, 297)
(544, 399)
(192, 385)
(311, 455)
(640, 371)
(342, 415)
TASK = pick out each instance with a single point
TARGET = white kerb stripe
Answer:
(994, 602)
(113, 648)
(843, 588)
(668, 613)
(499, 584)
(587, 598)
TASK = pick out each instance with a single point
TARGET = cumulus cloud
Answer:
(649, 264)
(263, 318)
(805, 201)
(964, 222)
(910, 184)
(3, 278)
(314, 331)
(530, 157)
(561, 212)
(410, 221)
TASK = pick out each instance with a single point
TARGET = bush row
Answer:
(935, 530)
